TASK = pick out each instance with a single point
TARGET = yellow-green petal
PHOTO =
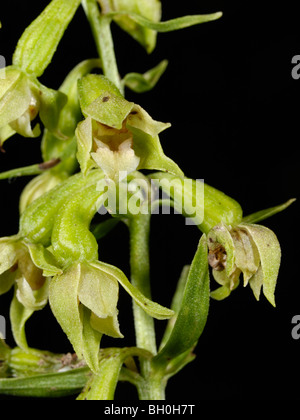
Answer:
(270, 256)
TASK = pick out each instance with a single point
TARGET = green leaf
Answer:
(51, 385)
(169, 25)
(192, 316)
(176, 303)
(39, 41)
(265, 214)
(151, 308)
(140, 83)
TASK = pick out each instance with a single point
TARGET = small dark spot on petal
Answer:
(105, 99)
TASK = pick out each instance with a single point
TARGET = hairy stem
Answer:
(100, 25)
(152, 387)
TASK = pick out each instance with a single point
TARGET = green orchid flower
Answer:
(118, 136)
(27, 267)
(22, 98)
(60, 155)
(248, 249)
(84, 295)
(149, 9)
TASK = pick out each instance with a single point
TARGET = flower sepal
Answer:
(84, 301)
(117, 135)
(22, 98)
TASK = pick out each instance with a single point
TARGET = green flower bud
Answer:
(117, 135)
(248, 249)
(150, 9)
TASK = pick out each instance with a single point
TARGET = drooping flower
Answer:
(22, 98)
(27, 267)
(150, 9)
(84, 295)
(250, 250)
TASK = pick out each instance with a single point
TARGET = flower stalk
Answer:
(94, 146)
(100, 25)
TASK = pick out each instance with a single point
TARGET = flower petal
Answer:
(151, 308)
(116, 164)
(63, 292)
(32, 300)
(98, 291)
(270, 257)
(84, 134)
(108, 326)
(139, 118)
(8, 254)
(15, 98)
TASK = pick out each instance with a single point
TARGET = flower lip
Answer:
(217, 258)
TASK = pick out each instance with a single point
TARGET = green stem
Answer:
(152, 386)
(100, 25)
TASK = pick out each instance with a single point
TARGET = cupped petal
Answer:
(16, 97)
(73, 316)
(8, 253)
(270, 257)
(30, 299)
(98, 291)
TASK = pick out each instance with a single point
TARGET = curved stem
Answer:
(100, 25)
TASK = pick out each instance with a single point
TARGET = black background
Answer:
(233, 105)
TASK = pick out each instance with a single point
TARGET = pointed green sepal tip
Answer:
(84, 301)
